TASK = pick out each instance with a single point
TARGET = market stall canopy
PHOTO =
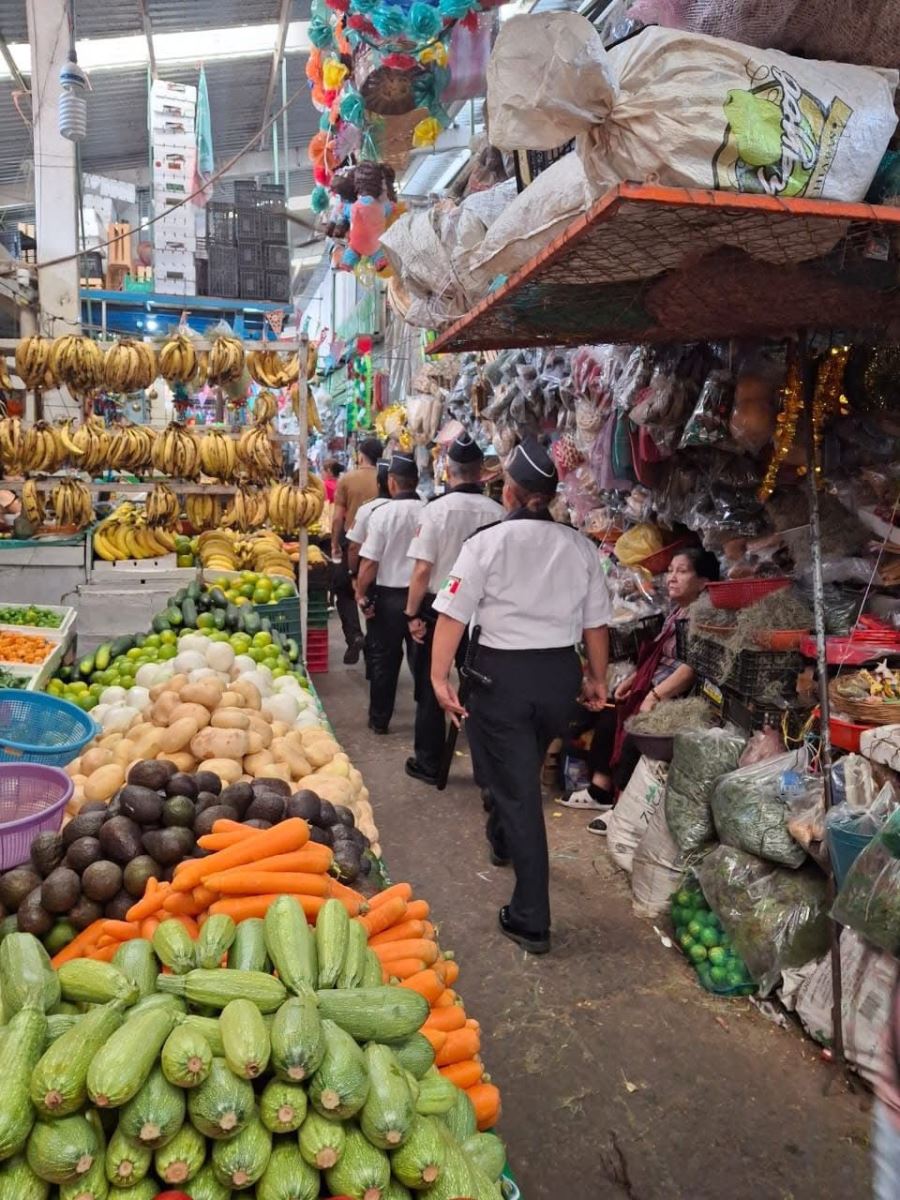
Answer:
(654, 264)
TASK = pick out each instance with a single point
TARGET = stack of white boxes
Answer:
(173, 107)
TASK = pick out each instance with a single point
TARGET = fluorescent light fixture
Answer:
(210, 45)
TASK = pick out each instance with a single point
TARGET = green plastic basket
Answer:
(317, 612)
(284, 615)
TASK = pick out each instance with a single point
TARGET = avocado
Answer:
(204, 801)
(85, 913)
(151, 773)
(257, 823)
(237, 795)
(346, 859)
(32, 917)
(86, 824)
(141, 804)
(82, 853)
(117, 908)
(344, 816)
(95, 806)
(101, 881)
(120, 839)
(327, 815)
(207, 781)
(181, 784)
(322, 836)
(278, 786)
(16, 885)
(169, 846)
(305, 804)
(204, 822)
(266, 806)
(137, 872)
(179, 810)
(47, 852)
(60, 890)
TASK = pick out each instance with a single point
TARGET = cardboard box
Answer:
(161, 90)
(173, 133)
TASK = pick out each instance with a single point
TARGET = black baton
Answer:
(468, 676)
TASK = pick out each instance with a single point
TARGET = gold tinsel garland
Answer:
(785, 426)
(828, 399)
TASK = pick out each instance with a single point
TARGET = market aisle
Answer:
(620, 1077)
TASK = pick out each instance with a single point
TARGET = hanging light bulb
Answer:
(73, 101)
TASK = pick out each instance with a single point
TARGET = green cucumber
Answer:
(92, 1185)
(248, 950)
(396, 1191)
(189, 613)
(389, 1110)
(487, 1152)
(218, 988)
(120, 645)
(340, 1085)
(174, 946)
(58, 1023)
(137, 962)
(205, 1185)
(321, 1141)
(460, 1118)
(120, 1069)
(245, 1038)
(62, 1150)
(223, 1104)
(23, 1044)
(208, 1028)
(291, 943)
(174, 617)
(19, 1182)
(372, 975)
(298, 1043)
(415, 1054)
(59, 1080)
(282, 1106)
(419, 1162)
(186, 1057)
(103, 656)
(241, 1160)
(332, 925)
(87, 981)
(147, 1189)
(436, 1094)
(126, 1162)
(363, 1171)
(181, 1159)
(288, 1177)
(215, 939)
(158, 1000)
(384, 1014)
(27, 977)
(155, 1114)
(354, 965)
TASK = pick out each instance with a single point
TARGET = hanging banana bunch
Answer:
(6, 384)
(265, 408)
(258, 454)
(269, 369)
(11, 437)
(315, 499)
(162, 507)
(218, 455)
(204, 512)
(268, 555)
(176, 452)
(32, 502)
(247, 510)
(92, 439)
(226, 360)
(131, 448)
(77, 362)
(33, 360)
(72, 504)
(41, 451)
(178, 360)
(129, 366)
(313, 421)
(287, 508)
(202, 374)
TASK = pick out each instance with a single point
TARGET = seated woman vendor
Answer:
(658, 676)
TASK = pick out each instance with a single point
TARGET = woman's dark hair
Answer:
(333, 467)
(704, 562)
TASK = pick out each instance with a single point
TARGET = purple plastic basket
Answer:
(32, 800)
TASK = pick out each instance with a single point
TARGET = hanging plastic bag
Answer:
(749, 808)
(752, 421)
(470, 52)
(869, 900)
(699, 759)
(638, 543)
(776, 918)
(708, 423)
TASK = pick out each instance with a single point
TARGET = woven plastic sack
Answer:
(869, 900)
(749, 808)
(699, 759)
(777, 919)
(658, 868)
(627, 823)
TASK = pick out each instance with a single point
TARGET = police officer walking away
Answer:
(444, 525)
(535, 588)
(354, 489)
(382, 584)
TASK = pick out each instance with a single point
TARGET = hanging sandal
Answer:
(582, 798)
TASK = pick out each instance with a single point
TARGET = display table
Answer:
(44, 570)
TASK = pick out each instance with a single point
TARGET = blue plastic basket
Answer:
(35, 727)
(844, 848)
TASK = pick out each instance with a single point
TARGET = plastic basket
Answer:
(845, 735)
(284, 615)
(32, 800)
(245, 193)
(317, 651)
(741, 593)
(751, 716)
(278, 257)
(278, 285)
(844, 847)
(625, 641)
(37, 728)
(221, 223)
(250, 256)
(246, 222)
(782, 640)
(754, 674)
(272, 226)
(253, 285)
(223, 274)
(317, 611)
(659, 562)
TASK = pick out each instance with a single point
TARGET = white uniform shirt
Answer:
(445, 524)
(530, 584)
(388, 534)
(357, 532)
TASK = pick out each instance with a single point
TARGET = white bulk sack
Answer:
(687, 110)
(627, 823)
(658, 867)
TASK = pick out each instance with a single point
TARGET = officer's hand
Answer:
(594, 693)
(447, 698)
(417, 630)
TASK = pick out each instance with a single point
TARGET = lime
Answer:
(85, 701)
(95, 689)
(709, 936)
(256, 653)
(284, 591)
(222, 583)
(695, 928)
(686, 942)
(717, 956)
(206, 621)
(718, 975)
(240, 642)
(678, 916)
(240, 601)
(134, 653)
(167, 652)
(56, 687)
(734, 979)
(153, 641)
(260, 597)
(697, 953)
(249, 577)
(685, 898)
(184, 560)
(262, 638)
(247, 589)
(278, 672)
(168, 637)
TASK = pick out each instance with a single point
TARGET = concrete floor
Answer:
(620, 1076)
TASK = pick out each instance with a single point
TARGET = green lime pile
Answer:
(700, 935)
(187, 551)
(250, 587)
(37, 618)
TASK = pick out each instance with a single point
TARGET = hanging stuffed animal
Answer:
(364, 202)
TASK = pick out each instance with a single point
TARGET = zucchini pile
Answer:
(290, 1073)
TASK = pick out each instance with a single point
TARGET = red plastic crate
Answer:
(317, 651)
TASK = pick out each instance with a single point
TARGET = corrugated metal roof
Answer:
(13, 23)
(114, 18)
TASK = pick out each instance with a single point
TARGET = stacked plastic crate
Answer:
(317, 621)
(173, 107)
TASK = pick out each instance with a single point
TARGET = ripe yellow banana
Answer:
(226, 360)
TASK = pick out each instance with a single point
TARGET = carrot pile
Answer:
(24, 648)
(247, 869)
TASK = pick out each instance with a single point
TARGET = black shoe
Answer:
(499, 860)
(415, 770)
(382, 730)
(533, 943)
(353, 651)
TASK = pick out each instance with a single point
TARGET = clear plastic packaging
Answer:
(869, 900)
(708, 423)
(699, 759)
(749, 808)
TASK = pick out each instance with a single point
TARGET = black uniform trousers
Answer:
(510, 725)
(431, 724)
(344, 598)
(387, 632)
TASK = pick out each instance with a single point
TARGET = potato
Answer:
(79, 781)
(178, 735)
(232, 699)
(320, 752)
(255, 742)
(183, 760)
(329, 787)
(356, 779)
(227, 770)
(275, 771)
(261, 726)
(254, 763)
(171, 685)
(252, 698)
(74, 767)
(196, 711)
(339, 766)
(109, 741)
(146, 740)
(280, 729)
(76, 802)
(105, 782)
(220, 743)
(207, 692)
(126, 753)
(161, 712)
(230, 718)
(293, 760)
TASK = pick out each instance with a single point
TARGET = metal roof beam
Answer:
(148, 34)
(11, 66)
(280, 39)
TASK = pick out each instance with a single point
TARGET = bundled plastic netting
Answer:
(749, 808)
(699, 759)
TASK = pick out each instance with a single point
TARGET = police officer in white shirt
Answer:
(535, 588)
(382, 584)
(444, 525)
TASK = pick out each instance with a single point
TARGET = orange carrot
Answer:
(215, 841)
(396, 933)
(450, 970)
(79, 945)
(408, 948)
(447, 1019)
(149, 926)
(224, 825)
(384, 915)
(313, 858)
(418, 910)
(403, 890)
(281, 838)
(401, 968)
(105, 953)
(437, 1037)
(247, 881)
(204, 896)
(183, 903)
(190, 924)
(464, 1074)
(485, 1099)
(239, 908)
(427, 983)
(446, 998)
(151, 901)
(459, 1045)
(354, 902)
